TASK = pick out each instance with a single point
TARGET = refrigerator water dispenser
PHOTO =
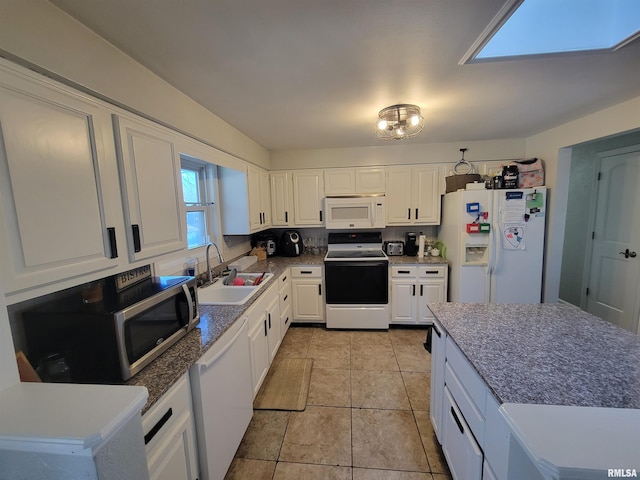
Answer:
(476, 254)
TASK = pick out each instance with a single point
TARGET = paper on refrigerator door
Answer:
(513, 236)
(512, 210)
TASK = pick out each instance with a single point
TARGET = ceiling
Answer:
(297, 74)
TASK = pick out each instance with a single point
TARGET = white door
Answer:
(615, 266)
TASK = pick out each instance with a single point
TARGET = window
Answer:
(196, 196)
(533, 27)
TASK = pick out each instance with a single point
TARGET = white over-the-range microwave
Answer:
(355, 212)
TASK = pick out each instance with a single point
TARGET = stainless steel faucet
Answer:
(220, 260)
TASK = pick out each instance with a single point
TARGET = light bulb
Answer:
(382, 125)
(415, 120)
(400, 131)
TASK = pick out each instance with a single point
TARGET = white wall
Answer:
(553, 146)
(397, 154)
(37, 32)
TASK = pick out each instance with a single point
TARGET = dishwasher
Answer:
(223, 400)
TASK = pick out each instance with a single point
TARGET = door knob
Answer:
(628, 254)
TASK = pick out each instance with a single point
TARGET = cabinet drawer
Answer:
(460, 449)
(166, 413)
(467, 388)
(435, 271)
(285, 297)
(471, 414)
(403, 271)
(306, 272)
(284, 280)
(467, 375)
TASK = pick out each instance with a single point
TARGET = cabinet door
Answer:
(154, 210)
(255, 207)
(259, 347)
(370, 180)
(399, 196)
(403, 301)
(265, 198)
(339, 181)
(460, 449)
(59, 202)
(171, 461)
(307, 300)
(273, 325)
(438, 340)
(430, 292)
(426, 196)
(170, 428)
(281, 199)
(308, 191)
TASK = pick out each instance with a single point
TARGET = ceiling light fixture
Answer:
(398, 122)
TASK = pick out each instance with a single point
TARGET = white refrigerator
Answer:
(495, 244)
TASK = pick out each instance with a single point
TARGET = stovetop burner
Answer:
(368, 254)
(355, 246)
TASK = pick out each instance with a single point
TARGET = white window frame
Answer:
(206, 178)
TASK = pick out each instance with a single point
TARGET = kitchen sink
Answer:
(220, 294)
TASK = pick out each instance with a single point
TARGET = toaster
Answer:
(394, 248)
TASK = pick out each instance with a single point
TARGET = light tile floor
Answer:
(367, 415)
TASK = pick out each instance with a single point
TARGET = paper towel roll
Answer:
(421, 241)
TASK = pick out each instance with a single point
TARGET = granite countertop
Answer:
(167, 369)
(547, 354)
(404, 260)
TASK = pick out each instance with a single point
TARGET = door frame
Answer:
(586, 274)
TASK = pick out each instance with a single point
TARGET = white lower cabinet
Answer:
(308, 297)
(170, 435)
(438, 340)
(465, 415)
(265, 333)
(460, 449)
(412, 287)
(285, 294)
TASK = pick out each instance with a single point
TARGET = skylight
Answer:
(533, 27)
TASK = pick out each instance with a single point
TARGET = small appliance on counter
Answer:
(291, 244)
(83, 337)
(411, 244)
(394, 248)
(267, 241)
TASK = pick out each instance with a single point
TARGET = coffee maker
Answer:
(410, 244)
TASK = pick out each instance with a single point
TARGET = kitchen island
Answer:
(548, 391)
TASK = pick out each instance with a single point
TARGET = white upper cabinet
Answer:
(60, 209)
(308, 192)
(354, 181)
(426, 195)
(370, 180)
(264, 205)
(281, 199)
(399, 196)
(413, 194)
(152, 188)
(245, 200)
(340, 181)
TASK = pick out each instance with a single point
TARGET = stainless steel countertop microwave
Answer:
(113, 338)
